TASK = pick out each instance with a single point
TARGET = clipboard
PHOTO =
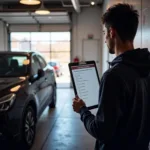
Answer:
(86, 82)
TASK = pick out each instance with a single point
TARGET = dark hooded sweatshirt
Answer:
(121, 122)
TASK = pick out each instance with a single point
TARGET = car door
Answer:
(39, 84)
(48, 81)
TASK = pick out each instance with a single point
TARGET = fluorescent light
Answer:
(92, 3)
(30, 2)
(42, 10)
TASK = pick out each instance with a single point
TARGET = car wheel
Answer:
(53, 102)
(29, 127)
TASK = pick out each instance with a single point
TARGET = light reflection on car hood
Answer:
(9, 82)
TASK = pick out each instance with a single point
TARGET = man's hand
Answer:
(78, 104)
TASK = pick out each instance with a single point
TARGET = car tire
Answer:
(54, 97)
(28, 128)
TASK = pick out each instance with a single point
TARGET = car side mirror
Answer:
(33, 78)
(41, 73)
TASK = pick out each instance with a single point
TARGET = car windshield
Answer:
(52, 64)
(13, 65)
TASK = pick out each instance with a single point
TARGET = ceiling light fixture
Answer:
(92, 3)
(30, 2)
(42, 10)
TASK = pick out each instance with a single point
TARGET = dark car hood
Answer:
(10, 82)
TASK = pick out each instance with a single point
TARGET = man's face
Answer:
(109, 40)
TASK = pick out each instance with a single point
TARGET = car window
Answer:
(35, 66)
(42, 61)
(12, 65)
(52, 64)
(20, 60)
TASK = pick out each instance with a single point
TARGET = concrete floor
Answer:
(61, 128)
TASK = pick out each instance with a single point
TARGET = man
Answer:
(122, 120)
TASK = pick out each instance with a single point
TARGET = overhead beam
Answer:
(76, 5)
(16, 7)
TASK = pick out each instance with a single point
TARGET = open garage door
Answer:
(47, 34)
(54, 46)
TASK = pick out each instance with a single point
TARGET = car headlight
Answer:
(7, 101)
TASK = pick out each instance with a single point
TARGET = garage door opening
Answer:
(54, 46)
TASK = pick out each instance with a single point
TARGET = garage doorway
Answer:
(54, 46)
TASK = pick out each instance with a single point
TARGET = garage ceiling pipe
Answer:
(76, 5)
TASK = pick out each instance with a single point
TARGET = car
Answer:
(28, 86)
(57, 67)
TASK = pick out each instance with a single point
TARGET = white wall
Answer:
(3, 37)
(87, 22)
(146, 24)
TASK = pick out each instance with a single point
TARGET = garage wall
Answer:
(88, 22)
(142, 37)
(146, 24)
(3, 37)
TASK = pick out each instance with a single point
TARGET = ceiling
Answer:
(53, 5)
(15, 1)
(12, 12)
(32, 18)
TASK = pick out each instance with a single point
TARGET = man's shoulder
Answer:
(119, 71)
(110, 74)
(113, 71)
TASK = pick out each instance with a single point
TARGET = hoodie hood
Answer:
(138, 59)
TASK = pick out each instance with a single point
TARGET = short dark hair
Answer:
(124, 18)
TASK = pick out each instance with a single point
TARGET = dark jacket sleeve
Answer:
(103, 125)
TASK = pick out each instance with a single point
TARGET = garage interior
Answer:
(70, 30)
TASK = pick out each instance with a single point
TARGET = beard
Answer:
(111, 51)
(111, 47)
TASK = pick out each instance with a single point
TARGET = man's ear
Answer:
(112, 32)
